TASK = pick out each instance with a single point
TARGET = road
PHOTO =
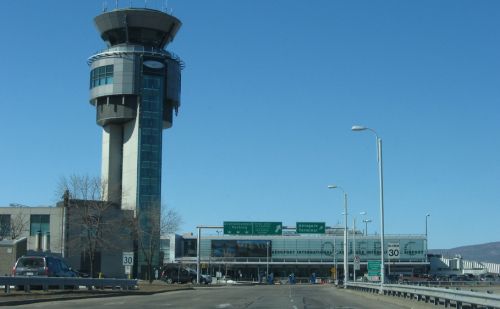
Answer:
(232, 297)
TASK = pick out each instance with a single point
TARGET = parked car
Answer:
(206, 279)
(177, 274)
(42, 265)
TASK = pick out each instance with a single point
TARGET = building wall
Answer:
(67, 234)
(307, 248)
(114, 238)
(249, 257)
(55, 226)
(10, 251)
(457, 265)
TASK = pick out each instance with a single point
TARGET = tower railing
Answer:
(134, 49)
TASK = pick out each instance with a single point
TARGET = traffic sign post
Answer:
(393, 251)
(128, 262)
(311, 227)
(357, 263)
(128, 258)
(373, 268)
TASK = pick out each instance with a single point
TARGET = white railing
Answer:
(427, 294)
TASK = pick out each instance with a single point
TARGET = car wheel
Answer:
(169, 280)
(193, 281)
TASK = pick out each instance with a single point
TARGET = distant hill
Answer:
(489, 252)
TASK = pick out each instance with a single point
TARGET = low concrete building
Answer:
(10, 251)
(90, 235)
(22, 221)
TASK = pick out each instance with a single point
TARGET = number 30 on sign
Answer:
(128, 258)
(393, 250)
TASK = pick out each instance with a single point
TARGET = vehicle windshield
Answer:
(30, 262)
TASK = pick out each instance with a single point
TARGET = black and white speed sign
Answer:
(393, 250)
(128, 258)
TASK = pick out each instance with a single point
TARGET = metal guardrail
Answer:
(27, 282)
(437, 295)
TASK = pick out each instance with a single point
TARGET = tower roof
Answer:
(137, 26)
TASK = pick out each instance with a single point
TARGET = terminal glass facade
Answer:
(240, 248)
(249, 257)
(317, 249)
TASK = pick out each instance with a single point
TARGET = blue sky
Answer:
(269, 94)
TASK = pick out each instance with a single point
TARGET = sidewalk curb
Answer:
(106, 294)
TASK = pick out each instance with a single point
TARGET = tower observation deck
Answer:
(135, 86)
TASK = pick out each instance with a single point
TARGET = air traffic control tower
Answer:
(135, 86)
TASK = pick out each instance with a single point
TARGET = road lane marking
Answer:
(113, 303)
(223, 306)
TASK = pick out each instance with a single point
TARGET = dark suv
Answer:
(183, 275)
(42, 265)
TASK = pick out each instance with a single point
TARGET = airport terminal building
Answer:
(248, 257)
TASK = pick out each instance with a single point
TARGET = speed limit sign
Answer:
(128, 258)
(393, 250)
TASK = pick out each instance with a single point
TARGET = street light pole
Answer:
(198, 252)
(346, 265)
(426, 238)
(267, 259)
(366, 221)
(381, 186)
(354, 249)
(335, 258)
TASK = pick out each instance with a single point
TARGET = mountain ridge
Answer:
(487, 252)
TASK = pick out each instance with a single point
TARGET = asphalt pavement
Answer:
(249, 297)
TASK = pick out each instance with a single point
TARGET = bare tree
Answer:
(98, 220)
(16, 224)
(19, 224)
(147, 228)
(170, 221)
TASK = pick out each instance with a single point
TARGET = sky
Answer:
(270, 92)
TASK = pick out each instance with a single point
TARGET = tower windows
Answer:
(101, 76)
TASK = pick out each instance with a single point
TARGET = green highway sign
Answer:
(238, 228)
(252, 228)
(373, 268)
(267, 228)
(311, 227)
